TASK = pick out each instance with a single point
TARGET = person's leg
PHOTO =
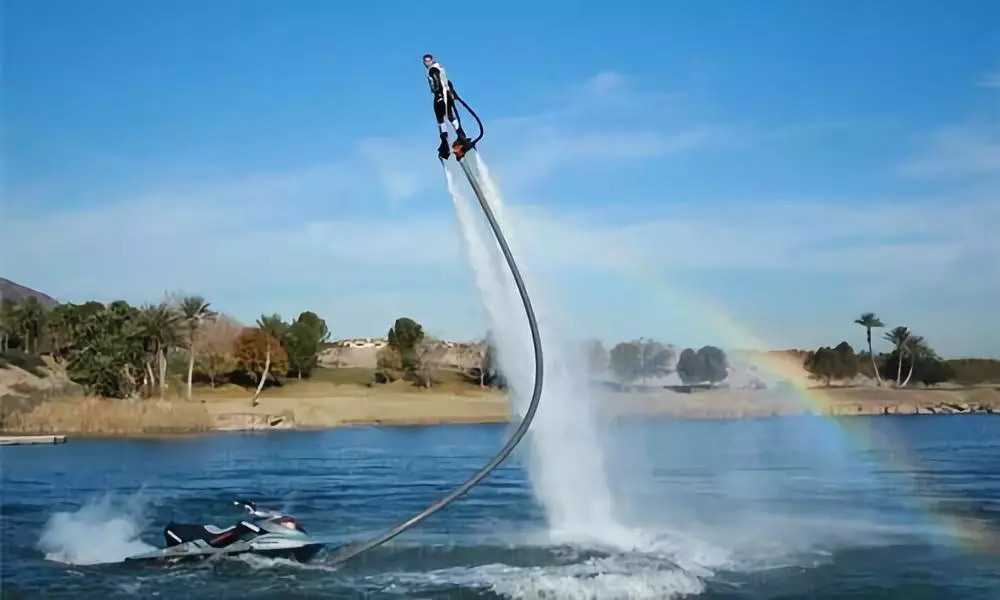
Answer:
(439, 112)
(455, 121)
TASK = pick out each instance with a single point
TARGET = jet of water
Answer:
(566, 461)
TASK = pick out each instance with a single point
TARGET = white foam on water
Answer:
(101, 531)
(593, 579)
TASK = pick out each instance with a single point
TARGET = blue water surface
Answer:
(882, 507)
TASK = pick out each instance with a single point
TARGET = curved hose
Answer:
(348, 552)
(473, 144)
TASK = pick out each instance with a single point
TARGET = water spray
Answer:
(461, 149)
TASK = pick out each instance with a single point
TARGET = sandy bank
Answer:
(418, 408)
(342, 406)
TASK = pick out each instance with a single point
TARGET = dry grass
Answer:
(430, 408)
(341, 398)
(105, 416)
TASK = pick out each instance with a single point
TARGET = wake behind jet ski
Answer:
(445, 96)
(268, 534)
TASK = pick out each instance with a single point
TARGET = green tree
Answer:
(691, 366)
(654, 358)
(8, 323)
(217, 346)
(195, 312)
(303, 341)
(65, 323)
(715, 364)
(846, 363)
(31, 322)
(161, 327)
(405, 334)
(625, 362)
(974, 371)
(898, 336)
(934, 371)
(271, 327)
(920, 361)
(822, 364)
(916, 350)
(108, 354)
(405, 337)
(259, 354)
(869, 321)
(22, 322)
(60, 329)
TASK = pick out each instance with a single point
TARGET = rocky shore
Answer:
(834, 402)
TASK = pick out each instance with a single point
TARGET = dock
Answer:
(24, 440)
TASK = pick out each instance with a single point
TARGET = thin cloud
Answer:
(186, 238)
(604, 118)
(991, 80)
(283, 240)
(957, 152)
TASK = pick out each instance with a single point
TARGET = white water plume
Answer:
(566, 462)
(101, 531)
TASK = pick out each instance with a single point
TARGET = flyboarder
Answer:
(444, 103)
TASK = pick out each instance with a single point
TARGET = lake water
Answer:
(884, 507)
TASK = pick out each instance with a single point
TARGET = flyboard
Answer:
(460, 150)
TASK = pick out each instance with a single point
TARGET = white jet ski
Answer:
(268, 533)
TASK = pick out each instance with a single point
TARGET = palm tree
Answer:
(58, 328)
(898, 337)
(195, 311)
(917, 348)
(869, 321)
(161, 330)
(8, 322)
(24, 320)
(272, 327)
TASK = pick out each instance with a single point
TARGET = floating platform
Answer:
(24, 440)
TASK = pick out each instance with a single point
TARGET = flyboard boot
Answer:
(462, 144)
(443, 151)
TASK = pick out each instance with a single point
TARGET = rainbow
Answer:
(974, 535)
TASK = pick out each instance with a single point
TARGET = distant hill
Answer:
(19, 293)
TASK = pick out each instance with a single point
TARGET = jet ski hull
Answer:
(274, 535)
(193, 553)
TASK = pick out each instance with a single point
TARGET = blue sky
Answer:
(791, 167)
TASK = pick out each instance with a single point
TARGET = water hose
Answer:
(347, 552)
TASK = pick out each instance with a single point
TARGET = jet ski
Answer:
(268, 533)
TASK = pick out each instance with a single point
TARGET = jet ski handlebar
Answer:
(251, 508)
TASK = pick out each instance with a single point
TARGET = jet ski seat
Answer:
(179, 533)
(215, 530)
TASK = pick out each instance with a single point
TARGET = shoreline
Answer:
(94, 418)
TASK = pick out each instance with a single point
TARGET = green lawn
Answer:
(342, 375)
(322, 379)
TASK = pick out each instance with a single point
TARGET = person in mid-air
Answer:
(444, 102)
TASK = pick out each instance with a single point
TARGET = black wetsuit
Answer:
(444, 98)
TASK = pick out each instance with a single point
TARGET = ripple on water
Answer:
(705, 525)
